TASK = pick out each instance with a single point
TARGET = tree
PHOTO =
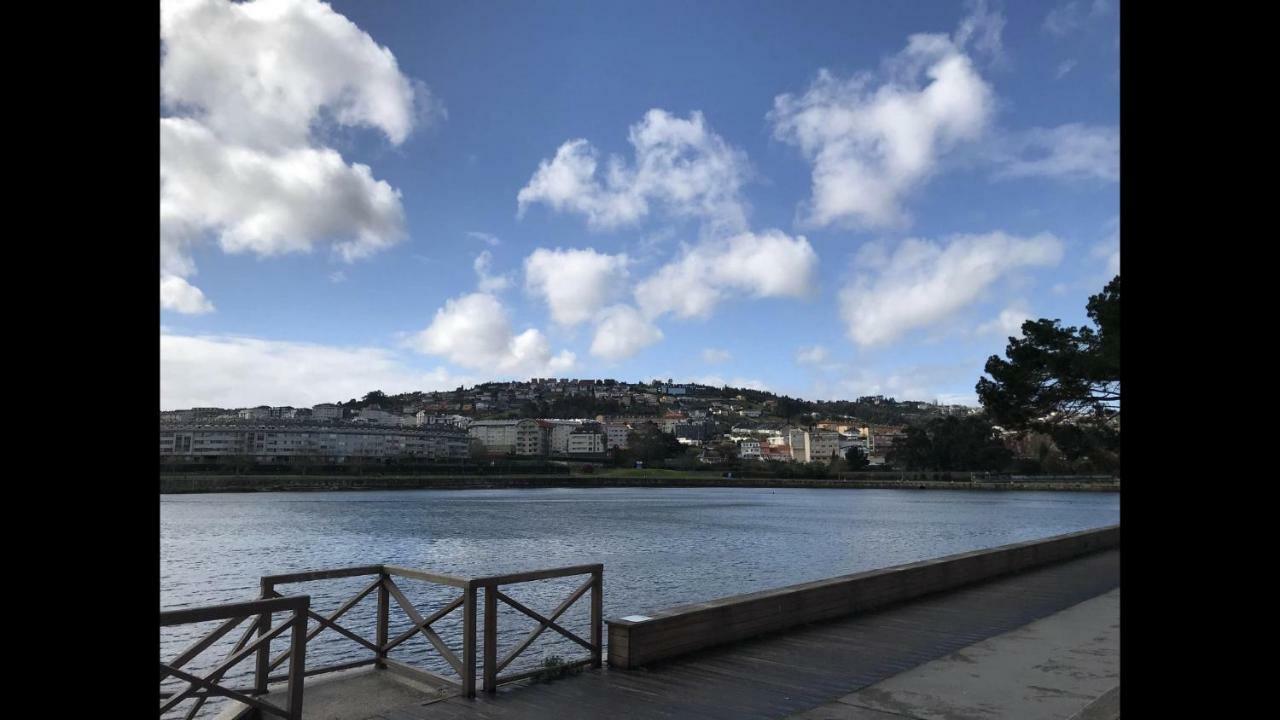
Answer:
(856, 458)
(1057, 375)
(951, 444)
(650, 444)
(1063, 382)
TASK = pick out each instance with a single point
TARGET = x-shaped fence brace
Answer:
(543, 622)
(241, 650)
(420, 624)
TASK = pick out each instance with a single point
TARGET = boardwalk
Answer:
(799, 670)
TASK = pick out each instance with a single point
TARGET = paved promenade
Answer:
(1061, 667)
(825, 665)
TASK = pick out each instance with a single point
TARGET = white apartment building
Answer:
(558, 435)
(749, 449)
(586, 442)
(256, 413)
(500, 437)
(616, 435)
(811, 446)
(326, 411)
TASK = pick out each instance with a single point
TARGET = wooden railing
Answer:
(202, 688)
(385, 584)
(493, 594)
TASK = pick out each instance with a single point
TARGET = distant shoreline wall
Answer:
(184, 484)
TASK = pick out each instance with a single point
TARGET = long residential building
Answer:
(268, 442)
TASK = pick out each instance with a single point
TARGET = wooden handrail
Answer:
(202, 688)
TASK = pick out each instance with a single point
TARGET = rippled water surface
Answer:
(660, 547)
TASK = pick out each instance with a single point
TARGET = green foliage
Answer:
(1055, 374)
(951, 444)
(651, 445)
(1064, 382)
(554, 668)
(856, 459)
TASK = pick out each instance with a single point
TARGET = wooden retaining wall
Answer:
(637, 642)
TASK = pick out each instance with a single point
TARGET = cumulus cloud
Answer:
(874, 137)
(715, 356)
(227, 371)
(766, 264)
(486, 282)
(621, 332)
(679, 164)
(246, 86)
(1071, 151)
(575, 283)
(474, 331)
(177, 294)
(269, 203)
(1007, 323)
(814, 355)
(921, 283)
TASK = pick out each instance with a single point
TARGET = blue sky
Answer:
(332, 174)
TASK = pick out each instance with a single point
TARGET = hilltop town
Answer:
(551, 418)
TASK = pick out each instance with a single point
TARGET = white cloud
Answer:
(1007, 323)
(621, 332)
(983, 27)
(715, 356)
(815, 355)
(246, 85)
(486, 282)
(766, 264)
(737, 382)
(337, 276)
(1063, 20)
(872, 139)
(268, 203)
(575, 283)
(1109, 248)
(1071, 151)
(474, 331)
(179, 295)
(922, 283)
(1064, 67)
(486, 238)
(260, 73)
(949, 384)
(223, 371)
(679, 164)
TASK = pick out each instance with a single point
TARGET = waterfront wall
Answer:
(680, 630)
(190, 483)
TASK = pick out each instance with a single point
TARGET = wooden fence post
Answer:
(469, 641)
(491, 639)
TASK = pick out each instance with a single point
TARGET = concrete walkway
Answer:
(1063, 666)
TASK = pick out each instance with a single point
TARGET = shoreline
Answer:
(206, 484)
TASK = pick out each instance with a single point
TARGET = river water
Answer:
(660, 548)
